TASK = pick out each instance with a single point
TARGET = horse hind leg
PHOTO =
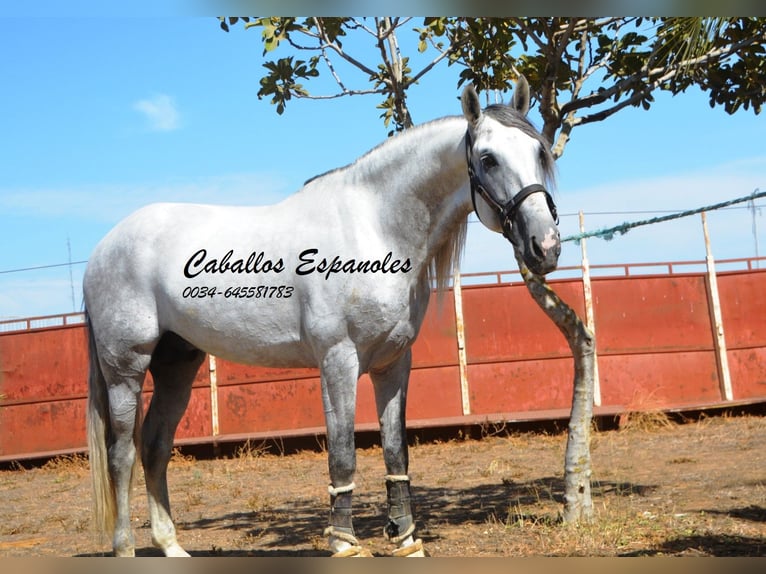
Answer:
(173, 367)
(126, 410)
(391, 400)
(114, 416)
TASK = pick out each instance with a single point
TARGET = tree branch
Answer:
(645, 73)
(564, 39)
(529, 32)
(346, 92)
(326, 43)
(603, 114)
(445, 54)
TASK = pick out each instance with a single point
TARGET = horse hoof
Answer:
(353, 552)
(414, 550)
(124, 553)
(175, 551)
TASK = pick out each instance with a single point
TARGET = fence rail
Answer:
(42, 322)
(491, 356)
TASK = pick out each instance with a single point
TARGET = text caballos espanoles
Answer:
(308, 262)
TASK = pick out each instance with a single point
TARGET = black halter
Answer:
(506, 211)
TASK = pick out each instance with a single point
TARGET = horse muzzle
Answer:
(533, 228)
(539, 248)
(542, 254)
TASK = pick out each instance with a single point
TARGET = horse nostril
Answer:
(537, 248)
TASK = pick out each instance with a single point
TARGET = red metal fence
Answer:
(488, 353)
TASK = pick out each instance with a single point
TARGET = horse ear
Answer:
(521, 95)
(471, 105)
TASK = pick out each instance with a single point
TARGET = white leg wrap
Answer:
(402, 537)
(413, 550)
(340, 535)
(397, 478)
(340, 489)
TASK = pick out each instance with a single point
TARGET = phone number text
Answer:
(259, 292)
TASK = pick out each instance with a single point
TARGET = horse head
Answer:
(509, 163)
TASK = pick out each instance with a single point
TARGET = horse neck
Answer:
(421, 179)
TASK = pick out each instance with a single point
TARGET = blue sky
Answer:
(103, 115)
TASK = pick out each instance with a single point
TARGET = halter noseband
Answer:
(506, 211)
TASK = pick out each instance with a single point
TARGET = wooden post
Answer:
(714, 302)
(213, 396)
(461, 355)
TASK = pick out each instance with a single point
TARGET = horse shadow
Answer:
(707, 545)
(718, 545)
(751, 513)
(503, 502)
(304, 519)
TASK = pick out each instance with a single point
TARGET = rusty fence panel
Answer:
(743, 309)
(655, 342)
(517, 358)
(43, 385)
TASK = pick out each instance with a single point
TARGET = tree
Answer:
(581, 70)
(323, 38)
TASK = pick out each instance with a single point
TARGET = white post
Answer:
(715, 314)
(461, 355)
(213, 395)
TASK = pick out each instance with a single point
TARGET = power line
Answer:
(43, 267)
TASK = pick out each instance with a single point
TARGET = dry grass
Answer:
(644, 421)
(659, 488)
(250, 451)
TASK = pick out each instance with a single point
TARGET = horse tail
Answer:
(99, 430)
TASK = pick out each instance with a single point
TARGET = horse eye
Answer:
(488, 162)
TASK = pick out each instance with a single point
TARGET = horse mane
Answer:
(447, 258)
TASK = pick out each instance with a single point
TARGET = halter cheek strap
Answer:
(506, 211)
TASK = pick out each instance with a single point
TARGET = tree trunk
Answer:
(578, 505)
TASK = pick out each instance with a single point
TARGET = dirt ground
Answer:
(684, 488)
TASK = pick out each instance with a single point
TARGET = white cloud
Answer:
(161, 112)
(50, 294)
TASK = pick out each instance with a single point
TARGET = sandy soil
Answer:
(694, 488)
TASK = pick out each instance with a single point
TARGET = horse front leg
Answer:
(391, 401)
(340, 373)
